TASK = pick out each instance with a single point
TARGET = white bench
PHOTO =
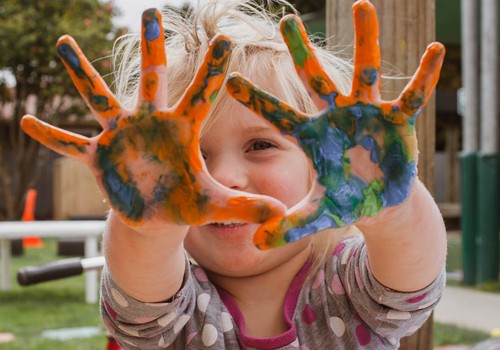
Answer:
(90, 230)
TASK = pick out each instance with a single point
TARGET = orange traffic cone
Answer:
(29, 215)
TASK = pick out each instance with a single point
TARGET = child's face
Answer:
(243, 152)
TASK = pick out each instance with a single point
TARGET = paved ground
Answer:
(469, 308)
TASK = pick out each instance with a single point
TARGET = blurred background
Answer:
(458, 136)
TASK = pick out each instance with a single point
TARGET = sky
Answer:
(132, 9)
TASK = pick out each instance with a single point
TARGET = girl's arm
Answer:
(148, 164)
(406, 244)
(148, 266)
(363, 148)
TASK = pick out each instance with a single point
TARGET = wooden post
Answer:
(406, 28)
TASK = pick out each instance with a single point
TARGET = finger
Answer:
(304, 219)
(153, 84)
(246, 207)
(61, 141)
(89, 83)
(366, 80)
(308, 67)
(285, 118)
(208, 80)
(207, 201)
(416, 94)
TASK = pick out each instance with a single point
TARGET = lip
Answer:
(234, 232)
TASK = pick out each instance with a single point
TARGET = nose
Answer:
(228, 172)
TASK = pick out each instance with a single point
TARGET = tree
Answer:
(308, 6)
(28, 33)
(303, 6)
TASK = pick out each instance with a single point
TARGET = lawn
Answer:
(28, 311)
(447, 334)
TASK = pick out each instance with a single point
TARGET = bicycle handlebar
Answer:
(58, 269)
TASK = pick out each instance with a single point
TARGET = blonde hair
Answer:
(258, 52)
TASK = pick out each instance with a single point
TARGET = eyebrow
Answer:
(259, 128)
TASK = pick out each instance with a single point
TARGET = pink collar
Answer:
(291, 299)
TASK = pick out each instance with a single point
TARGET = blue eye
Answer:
(260, 145)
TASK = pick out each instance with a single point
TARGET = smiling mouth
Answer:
(227, 224)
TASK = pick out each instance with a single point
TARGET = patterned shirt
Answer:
(342, 307)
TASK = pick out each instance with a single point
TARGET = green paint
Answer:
(79, 148)
(372, 204)
(213, 96)
(298, 48)
(336, 219)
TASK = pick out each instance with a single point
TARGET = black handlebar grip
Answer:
(59, 269)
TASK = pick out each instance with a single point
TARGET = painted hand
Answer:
(364, 149)
(148, 161)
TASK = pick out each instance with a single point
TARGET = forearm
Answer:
(407, 244)
(147, 266)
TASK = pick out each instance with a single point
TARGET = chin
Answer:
(240, 261)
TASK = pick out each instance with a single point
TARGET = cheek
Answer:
(287, 184)
(195, 239)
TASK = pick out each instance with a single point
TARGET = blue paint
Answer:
(396, 191)
(216, 67)
(150, 22)
(220, 49)
(99, 102)
(369, 143)
(68, 55)
(316, 83)
(413, 100)
(356, 111)
(82, 147)
(369, 76)
(319, 223)
(113, 123)
(326, 141)
(123, 195)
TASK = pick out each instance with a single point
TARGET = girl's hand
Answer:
(147, 161)
(364, 149)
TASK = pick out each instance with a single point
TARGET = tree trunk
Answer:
(406, 28)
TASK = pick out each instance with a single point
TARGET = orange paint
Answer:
(148, 161)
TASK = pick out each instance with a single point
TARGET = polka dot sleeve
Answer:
(195, 318)
(139, 325)
(388, 313)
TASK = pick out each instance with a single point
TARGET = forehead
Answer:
(228, 110)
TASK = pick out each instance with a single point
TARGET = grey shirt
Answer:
(342, 307)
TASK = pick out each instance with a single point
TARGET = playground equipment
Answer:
(29, 215)
(59, 269)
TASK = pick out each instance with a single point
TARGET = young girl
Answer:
(189, 168)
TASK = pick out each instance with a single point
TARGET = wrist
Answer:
(147, 229)
(400, 213)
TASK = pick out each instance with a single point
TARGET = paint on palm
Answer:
(148, 161)
(364, 149)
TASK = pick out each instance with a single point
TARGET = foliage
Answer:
(28, 33)
(302, 6)
(27, 312)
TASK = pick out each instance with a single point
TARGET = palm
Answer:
(364, 149)
(147, 161)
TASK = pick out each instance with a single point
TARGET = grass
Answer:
(447, 334)
(28, 311)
